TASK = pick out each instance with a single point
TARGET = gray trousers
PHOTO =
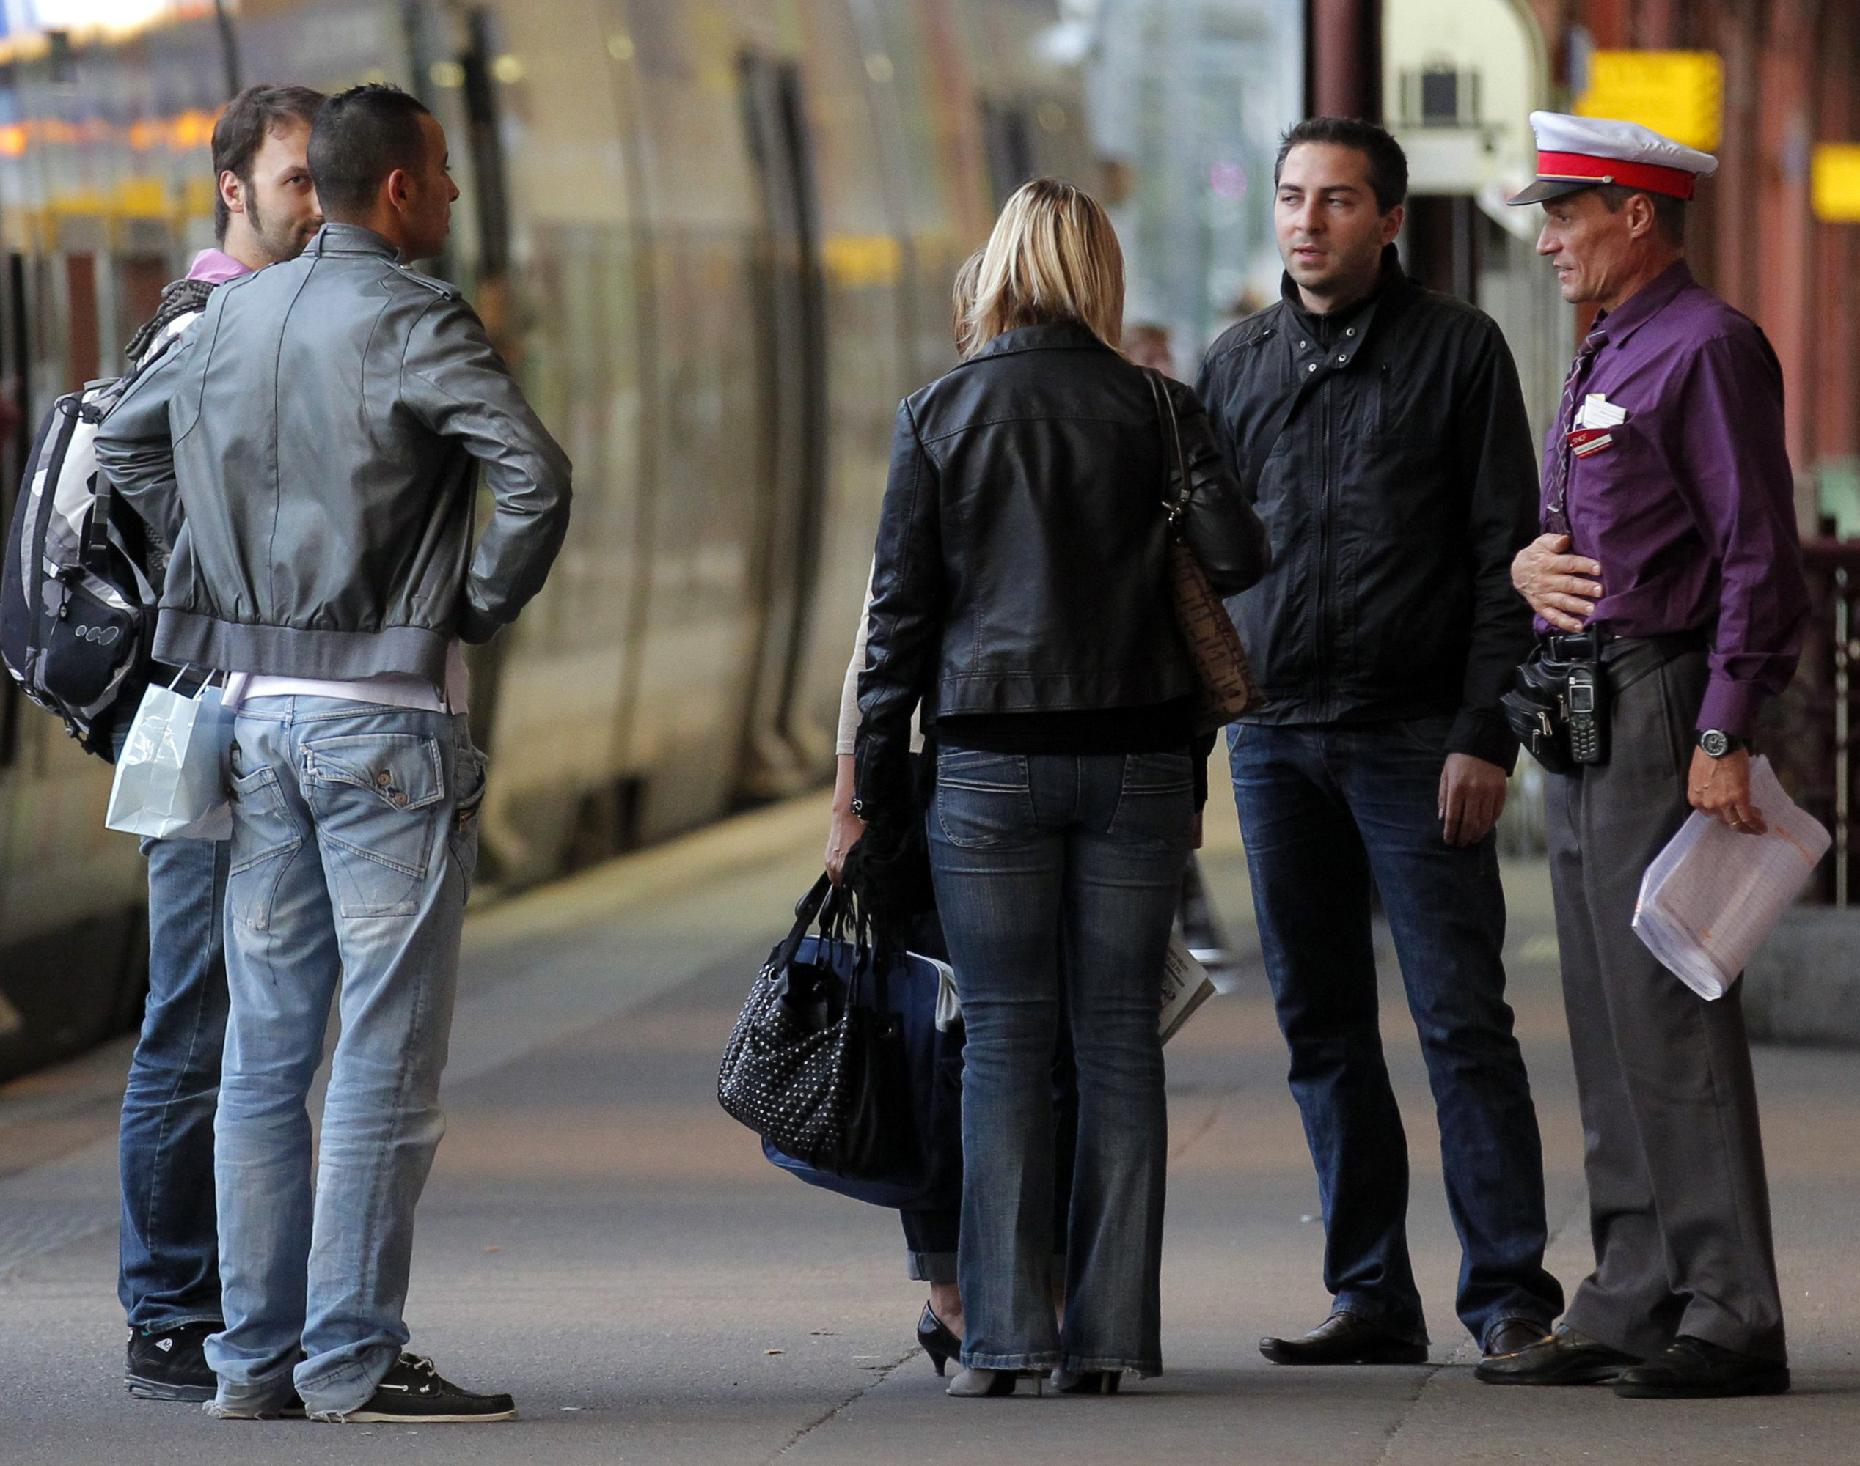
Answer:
(1678, 1204)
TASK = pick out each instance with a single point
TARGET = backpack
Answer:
(76, 603)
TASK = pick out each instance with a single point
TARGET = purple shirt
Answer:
(216, 267)
(1690, 504)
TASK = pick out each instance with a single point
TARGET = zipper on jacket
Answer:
(1323, 565)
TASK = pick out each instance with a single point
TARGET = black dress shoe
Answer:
(1693, 1369)
(1514, 1336)
(1343, 1338)
(1565, 1358)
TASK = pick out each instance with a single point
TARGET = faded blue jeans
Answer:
(354, 842)
(1033, 854)
(1326, 812)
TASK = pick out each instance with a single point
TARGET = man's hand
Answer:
(1472, 796)
(1561, 587)
(1720, 787)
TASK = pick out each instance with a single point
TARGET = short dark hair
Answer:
(360, 137)
(1669, 213)
(242, 128)
(1388, 164)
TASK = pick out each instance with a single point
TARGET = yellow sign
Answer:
(1679, 93)
(1836, 182)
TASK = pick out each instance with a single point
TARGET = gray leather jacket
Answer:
(307, 456)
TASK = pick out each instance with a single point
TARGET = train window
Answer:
(791, 339)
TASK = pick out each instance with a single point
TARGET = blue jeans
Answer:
(1325, 811)
(354, 841)
(168, 1247)
(1033, 854)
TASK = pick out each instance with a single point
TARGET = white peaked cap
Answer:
(1574, 153)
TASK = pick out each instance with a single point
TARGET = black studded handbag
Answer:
(811, 1059)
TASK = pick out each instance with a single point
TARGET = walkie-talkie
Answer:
(1588, 716)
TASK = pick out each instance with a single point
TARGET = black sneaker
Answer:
(413, 1393)
(170, 1364)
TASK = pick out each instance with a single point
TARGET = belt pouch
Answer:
(1536, 710)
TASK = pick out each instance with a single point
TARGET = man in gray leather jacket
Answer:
(308, 457)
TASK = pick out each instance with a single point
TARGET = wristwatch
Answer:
(1717, 744)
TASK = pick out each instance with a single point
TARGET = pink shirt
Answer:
(216, 267)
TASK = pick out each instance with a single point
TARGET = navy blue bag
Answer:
(917, 1075)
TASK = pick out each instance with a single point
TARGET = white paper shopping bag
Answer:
(170, 779)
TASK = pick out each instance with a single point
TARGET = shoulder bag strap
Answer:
(1276, 420)
(1175, 500)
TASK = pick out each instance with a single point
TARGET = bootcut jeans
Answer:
(1034, 856)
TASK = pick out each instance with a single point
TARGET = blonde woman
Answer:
(930, 1234)
(1020, 594)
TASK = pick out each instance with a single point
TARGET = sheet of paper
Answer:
(1185, 987)
(1713, 895)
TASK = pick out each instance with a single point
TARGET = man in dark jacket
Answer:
(1382, 431)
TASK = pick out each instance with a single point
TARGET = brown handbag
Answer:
(1221, 666)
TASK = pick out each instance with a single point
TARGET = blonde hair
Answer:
(1053, 256)
(962, 302)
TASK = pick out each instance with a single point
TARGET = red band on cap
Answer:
(1647, 177)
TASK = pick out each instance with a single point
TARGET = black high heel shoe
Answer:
(1090, 1382)
(935, 1339)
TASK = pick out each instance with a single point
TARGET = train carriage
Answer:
(713, 238)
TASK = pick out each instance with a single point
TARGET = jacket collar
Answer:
(1644, 304)
(350, 239)
(1047, 336)
(1316, 355)
(1392, 281)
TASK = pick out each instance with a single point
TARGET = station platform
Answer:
(601, 1240)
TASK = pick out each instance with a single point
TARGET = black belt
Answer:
(1577, 646)
(1598, 644)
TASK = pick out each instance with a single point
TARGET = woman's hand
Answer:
(842, 834)
(845, 827)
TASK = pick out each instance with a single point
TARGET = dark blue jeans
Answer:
(1035, 855)
(1325, 811)
(169, 1244)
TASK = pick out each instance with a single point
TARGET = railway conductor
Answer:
(1669, 556)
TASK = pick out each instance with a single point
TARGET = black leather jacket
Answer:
(1022, 546)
